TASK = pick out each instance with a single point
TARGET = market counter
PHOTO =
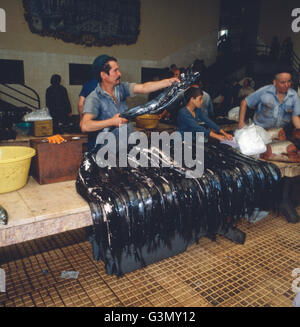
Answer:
(36, 211)
(41, 210)
(24, 140)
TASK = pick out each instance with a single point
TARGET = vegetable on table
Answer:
(56, 139)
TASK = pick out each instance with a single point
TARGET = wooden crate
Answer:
(42, 128)
(56, 162)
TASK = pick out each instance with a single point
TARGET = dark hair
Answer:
(198, 81)
(55, 79)
(192, 92)
(282, 69)
(105, 67)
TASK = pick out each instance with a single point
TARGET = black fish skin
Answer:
(3, 216)
(139, 214)
(168, 97)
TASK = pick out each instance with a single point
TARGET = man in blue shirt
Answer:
(87, 88)
(276, 105)
(103, 106)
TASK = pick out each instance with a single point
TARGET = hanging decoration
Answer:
(86, 22)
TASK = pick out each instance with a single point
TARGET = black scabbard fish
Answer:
(171, 95)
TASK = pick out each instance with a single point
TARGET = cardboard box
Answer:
(43, 128)
(56, 162)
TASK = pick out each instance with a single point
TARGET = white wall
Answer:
(40, 66)
(171, 31)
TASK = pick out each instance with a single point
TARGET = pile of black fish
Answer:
(3, 216)
(168, 97)
(142, 215)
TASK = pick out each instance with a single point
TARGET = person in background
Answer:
(176, 73)
(103, 106)
(226, 100)
(199, 66)
(276, 105)
(275, 48)
(190, 116)
(236, 87)
(245, 90)
(173, 67)
(287, 50)
(207, 105)
(87, 88)
(57, 101)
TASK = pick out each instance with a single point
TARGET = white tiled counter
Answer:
(36, 211)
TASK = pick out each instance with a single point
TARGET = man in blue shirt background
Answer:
(87, 88)
(207, 105)
(276, 105)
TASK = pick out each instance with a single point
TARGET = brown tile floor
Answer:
(219, 273)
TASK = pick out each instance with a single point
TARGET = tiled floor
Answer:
(221, 273)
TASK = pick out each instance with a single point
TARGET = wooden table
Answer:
(56, 162)
(24, 140)
(288, 169)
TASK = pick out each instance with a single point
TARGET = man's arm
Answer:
(296, 113)
(296, 121)
(88, 124)
(80, 106)
(243, 109)
(149, 87)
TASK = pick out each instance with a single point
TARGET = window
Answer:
(79, 73)
(12, 71)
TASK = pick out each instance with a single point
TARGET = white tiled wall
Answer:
(40, 66)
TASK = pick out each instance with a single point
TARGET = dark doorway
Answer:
(241, 19)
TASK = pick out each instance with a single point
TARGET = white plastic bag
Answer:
(41, 114)
(249, 140)
(234, 113)
(266, 137)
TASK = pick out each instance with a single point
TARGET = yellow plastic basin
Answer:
(14, 167)
(147, 121)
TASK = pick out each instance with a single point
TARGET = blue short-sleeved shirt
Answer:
(88, 87)
(269, 111)
(187, 123)
(207, 106)
(100, 104)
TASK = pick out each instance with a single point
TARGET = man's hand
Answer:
(296, 121)
(116, 120)
(172, 80)
(221, 138)
(228, 136)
